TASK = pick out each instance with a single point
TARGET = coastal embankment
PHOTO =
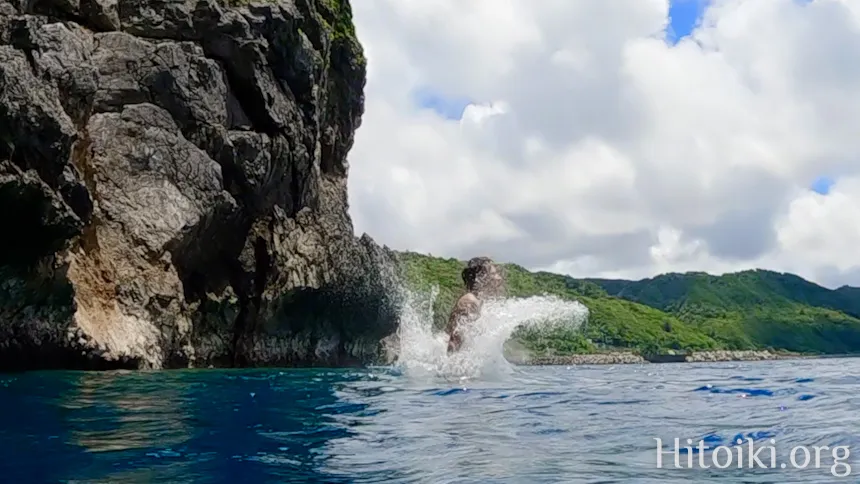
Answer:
(617, 358)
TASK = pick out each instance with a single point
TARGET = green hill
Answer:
(850, 293)
(746, 288)
(753, 309)
(693, 311)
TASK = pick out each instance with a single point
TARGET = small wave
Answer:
(445, 393)
(755, 392)
(712, 440)
(747, 378)
(539, 394)
(751, 392)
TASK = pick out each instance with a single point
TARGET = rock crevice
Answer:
(173, 184)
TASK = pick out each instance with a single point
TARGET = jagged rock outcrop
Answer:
(173, 186)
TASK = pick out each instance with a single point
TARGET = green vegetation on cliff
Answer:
(338, 16)
(686, 312)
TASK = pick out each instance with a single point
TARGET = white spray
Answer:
(422, 352)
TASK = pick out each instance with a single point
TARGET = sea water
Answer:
(430, 418)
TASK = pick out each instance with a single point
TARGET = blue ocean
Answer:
(531, 425)
(472, 417)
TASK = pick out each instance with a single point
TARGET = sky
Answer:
(614, 138)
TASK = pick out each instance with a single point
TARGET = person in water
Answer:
(484, 280)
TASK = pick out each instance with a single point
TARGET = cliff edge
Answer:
(173, 186)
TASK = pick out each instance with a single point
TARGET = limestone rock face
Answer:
(173, 186)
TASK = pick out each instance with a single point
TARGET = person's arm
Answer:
(455, 339)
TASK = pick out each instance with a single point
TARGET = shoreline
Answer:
(629, 358)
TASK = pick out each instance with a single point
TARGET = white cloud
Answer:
(819, 235)
(593, 147)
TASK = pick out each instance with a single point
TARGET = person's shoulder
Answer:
(468, 303)
(467, 298)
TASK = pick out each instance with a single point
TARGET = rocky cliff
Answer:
(173, 186)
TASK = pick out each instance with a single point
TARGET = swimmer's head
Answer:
(483, 276)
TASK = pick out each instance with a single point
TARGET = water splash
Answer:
(422, 351)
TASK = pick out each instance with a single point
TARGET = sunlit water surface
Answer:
(535, 424)
(427, 419)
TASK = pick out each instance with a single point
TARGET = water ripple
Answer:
(535, 425)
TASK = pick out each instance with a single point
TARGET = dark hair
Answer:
(474, 268)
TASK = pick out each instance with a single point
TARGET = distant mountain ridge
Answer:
(849, 291)
(672, 291)
(753, 309)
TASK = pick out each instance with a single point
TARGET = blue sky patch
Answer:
(822, 185)
(444, 106)
(684, 15)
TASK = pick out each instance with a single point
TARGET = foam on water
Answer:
(422, 351)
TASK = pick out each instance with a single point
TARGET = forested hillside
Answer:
(694, 311)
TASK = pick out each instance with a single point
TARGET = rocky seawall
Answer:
(725, 355)
(616, 358)
(173, 186)
(619, 358)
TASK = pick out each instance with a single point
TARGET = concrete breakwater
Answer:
(616, 358)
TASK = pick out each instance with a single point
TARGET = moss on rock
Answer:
(336, 16)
